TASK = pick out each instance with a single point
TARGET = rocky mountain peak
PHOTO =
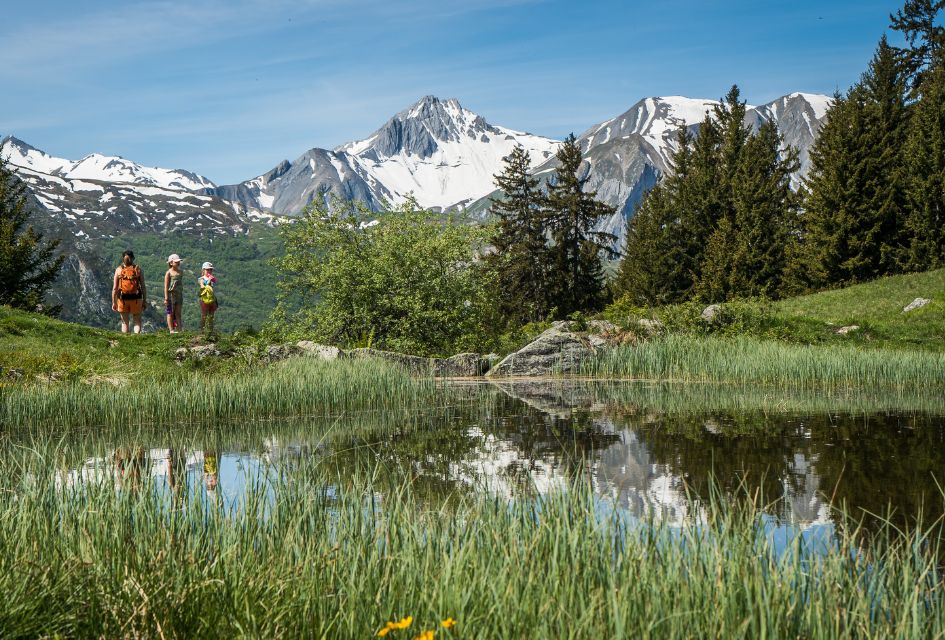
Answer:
(421, 129)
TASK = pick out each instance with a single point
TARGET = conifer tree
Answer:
(918, 21)
(925, 171)
(701, 202)
(765, 207)
(520, 257)
(656, 268)
(852, 226)
(576, 278)
(28, 266)
(713, 238)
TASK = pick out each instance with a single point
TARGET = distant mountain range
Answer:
(446, 156)
(440, 153)
(436, 151)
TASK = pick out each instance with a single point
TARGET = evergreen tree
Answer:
(765, 207)
(27, 264)
(852, 227)
(656, 268)
(519, 261)
(917, 22)
(712, 236)
(576, 277)
(701, 203)
(925, 171)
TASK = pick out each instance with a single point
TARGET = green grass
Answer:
(769, 362)
(336, 557)
(876, 307)
(44, 349)
(300, 386)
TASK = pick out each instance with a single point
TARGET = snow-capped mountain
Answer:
(437, 151)
(102, 196)
(446, 156)
(95, 166)
(627, 154)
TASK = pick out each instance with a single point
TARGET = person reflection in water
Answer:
(128, 465)
(177, 473)
(211, 471)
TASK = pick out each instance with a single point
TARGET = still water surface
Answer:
(645, 452)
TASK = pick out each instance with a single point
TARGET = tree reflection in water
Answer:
(646, 449)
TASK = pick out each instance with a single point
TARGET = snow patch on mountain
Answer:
(440, 153)
(99, 167)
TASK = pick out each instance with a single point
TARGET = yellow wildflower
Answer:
(449, 622)
(391, 626)
(426, 635)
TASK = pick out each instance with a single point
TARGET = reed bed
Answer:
(294, 387)
(768, 362)
(312, 557)
(701, 398)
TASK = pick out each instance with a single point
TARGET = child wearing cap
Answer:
(174, 294)
(208, 298)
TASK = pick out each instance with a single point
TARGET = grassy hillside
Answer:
(877, 307)
(35, 348)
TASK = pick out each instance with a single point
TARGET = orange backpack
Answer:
(129, 280)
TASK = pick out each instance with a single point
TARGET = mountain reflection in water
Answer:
(640, 452)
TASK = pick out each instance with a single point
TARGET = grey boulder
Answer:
(554, 351)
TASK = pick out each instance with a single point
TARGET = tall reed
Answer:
(297, 386)
(750, 360)
(317, 558)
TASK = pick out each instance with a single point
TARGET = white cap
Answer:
(173, 258)
(207, 265)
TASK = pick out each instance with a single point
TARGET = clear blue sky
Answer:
(228, 88)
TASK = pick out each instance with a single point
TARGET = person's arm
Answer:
(144, 289)
(115, 290)
(167, 283)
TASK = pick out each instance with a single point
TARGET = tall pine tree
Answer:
(716, 227)
(28, 266)
(716, 235)
(852, 226)
(918, 21)
(925, 171)
(576, 276)
(520, 258)
(656, 268)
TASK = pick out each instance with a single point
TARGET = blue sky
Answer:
(228, 88)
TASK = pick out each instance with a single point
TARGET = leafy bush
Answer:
(403, 280)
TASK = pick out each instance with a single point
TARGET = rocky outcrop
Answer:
(268, 354)
(463, 365)
(557, 350)
(712, 314)
(918, 303)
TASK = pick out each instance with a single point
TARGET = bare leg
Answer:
(124, 321)
(178, 317)
(137, 319)
(170, 321)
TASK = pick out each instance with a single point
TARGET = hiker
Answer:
(208, 297)
(174, 294)
(129, 294)
(211, 471)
